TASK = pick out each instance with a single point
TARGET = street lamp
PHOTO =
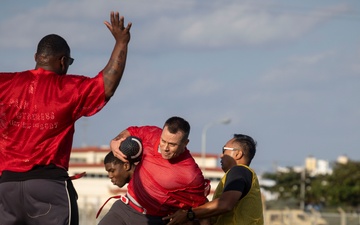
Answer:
(302, 189)
(203, 138)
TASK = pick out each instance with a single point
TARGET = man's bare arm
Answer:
(225, 203)
(115, 145)
(114, 69)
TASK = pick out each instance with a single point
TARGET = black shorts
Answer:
(38, 201)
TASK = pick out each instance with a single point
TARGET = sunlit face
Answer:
(117, 173)
(228, 153)
(172, 145)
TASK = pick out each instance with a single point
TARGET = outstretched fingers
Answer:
(116, 26)
(114, 18)
(128, 27)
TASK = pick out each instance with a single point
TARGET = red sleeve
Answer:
(149, 135)
(89, 94)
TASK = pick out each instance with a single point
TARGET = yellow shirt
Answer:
(247, 210)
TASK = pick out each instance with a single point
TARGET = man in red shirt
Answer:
(38, 109)
(166, 179)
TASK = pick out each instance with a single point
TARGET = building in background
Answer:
(343, 159)
(317, 166)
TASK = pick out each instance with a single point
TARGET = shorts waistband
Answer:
(126, 201)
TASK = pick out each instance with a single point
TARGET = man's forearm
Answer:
(114, 70)
(123, 134)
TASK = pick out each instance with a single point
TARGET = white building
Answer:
(343, 159)
(317, 166)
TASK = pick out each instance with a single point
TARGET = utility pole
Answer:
(302, 188)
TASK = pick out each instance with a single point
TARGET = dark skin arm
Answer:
(115, 144)
(114, 69)
(225, 203)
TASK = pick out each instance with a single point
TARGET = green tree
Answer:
(341, 188)
(317, 190)
(344, 185)
(287, 184)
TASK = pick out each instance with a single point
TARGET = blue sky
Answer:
(285, 72)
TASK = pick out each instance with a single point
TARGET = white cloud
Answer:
(237, 24)
(167, 24)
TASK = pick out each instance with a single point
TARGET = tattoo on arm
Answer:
(113, 73)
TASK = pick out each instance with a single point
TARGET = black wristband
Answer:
(190, 215)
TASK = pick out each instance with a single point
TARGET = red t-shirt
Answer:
(162, 186)
(38, 109)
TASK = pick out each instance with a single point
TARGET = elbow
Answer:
(111, 83)
(228, 209)
(107, 97)
(109, 94)
(225, 207)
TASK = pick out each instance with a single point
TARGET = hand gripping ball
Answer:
(132, 148)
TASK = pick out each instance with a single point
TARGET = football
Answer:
(132, 148)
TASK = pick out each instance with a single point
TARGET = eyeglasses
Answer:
(228, 148)
(71, 60)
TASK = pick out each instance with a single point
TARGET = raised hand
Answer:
(114, 69)
(116, 27)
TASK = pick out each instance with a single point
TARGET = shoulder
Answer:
(240, 171)
(187, 164)
(4, 74)
(136, 130)
(149, 135)
(8, 79)
(7, 76)
(79, 79)
(241, 168)
(11, 75)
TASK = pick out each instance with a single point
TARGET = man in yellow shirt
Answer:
(237, 198)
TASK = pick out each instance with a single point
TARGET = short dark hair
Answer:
(248, 144)
(53, 44)
(176, 124)
(110, 158)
